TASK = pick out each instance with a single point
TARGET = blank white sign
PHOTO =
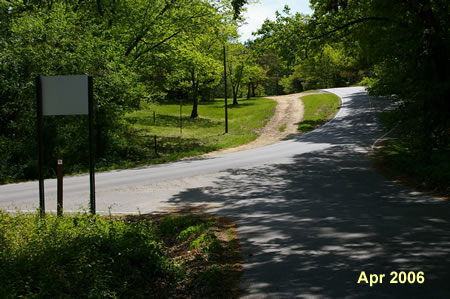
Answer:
(65, 95)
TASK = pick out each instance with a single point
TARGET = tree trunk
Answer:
(235, 92)
(194, 112)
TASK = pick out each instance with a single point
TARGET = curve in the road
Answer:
(311, 213)
(313, 219)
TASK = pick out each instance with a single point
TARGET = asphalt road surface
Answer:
(311, 213)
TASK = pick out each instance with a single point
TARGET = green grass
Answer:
(199, 135)
(84, 256)
(318, 109)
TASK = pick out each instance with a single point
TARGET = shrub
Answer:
(80, 256)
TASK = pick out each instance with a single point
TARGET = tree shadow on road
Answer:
(310, 225)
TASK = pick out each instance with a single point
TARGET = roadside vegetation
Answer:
(85, 256)
(197, 136)
(156, 52)
(145, 56)
(402, 158)
(318, 109)
(376, 44)
(398, 160)
(139, 53)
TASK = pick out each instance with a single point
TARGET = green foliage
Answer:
(319, 109)
(242, 70)
(291, 84)
(85, 256)
(329, 68)
(237, 6)
(210, 278)
(138, 51)
(81, 255)
(402, 160)
(200, 135)
(176, 224)
(406, 48)
(402, 48)
(367, 81)
(303, 62)
(207, 242)
(194, 230)
(59, 41)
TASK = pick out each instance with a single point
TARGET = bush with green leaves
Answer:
(79, 256)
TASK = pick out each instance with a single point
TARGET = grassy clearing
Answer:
(398, 160)
(84, 256)
(200, 135)
(318, 109)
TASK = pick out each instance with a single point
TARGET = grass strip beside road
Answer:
(83, 256)
(318, 109)
(199, 135)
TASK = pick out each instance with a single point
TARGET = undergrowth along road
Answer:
(81, 255)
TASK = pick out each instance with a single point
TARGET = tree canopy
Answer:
(137, 50)
(406, 45)
(157, 51)
(401, 50)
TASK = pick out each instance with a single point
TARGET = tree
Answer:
(256, 75)
(201, 68)
(403, 46)
(329, 67)
(408, 45)
(237, 64)
(278, 48)
(124, 44)
(58, 40)
(191, 61)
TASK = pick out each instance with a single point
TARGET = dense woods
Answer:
(163, 50)
(399, 49)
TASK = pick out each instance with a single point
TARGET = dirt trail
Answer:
(288, 114)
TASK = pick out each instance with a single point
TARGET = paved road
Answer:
(311, 213)
(311, 223)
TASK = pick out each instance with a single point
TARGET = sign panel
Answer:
(65, 95)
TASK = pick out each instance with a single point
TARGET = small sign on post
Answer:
(59, 201)
(65, 95)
